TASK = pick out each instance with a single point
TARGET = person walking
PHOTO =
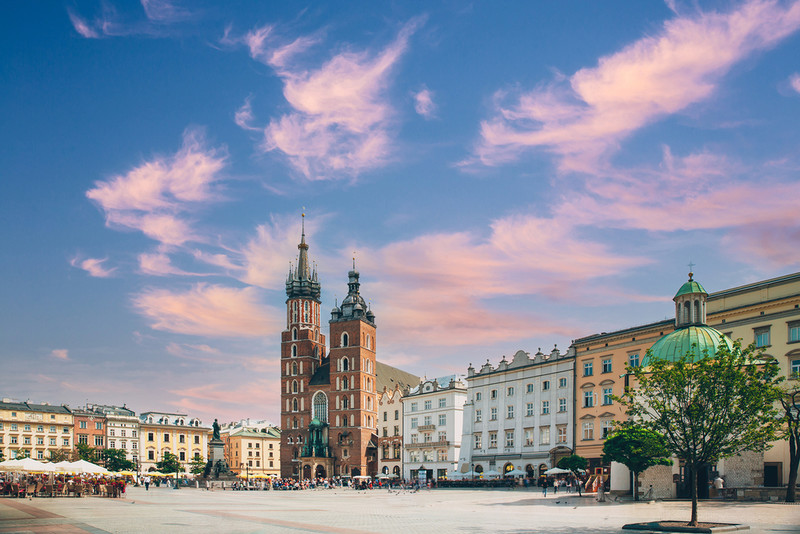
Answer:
(544, 487)
(147, 483)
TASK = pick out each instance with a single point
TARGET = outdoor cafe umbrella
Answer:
(557, 471)
(27, 464)
(492, 473)
(82, 466)
(515, 473)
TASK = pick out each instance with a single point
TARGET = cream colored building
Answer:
(253, 451)
(766, 313)
(177, 433)
(36, 429)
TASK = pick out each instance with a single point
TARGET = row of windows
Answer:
(39, 428)
(427, 437)
(588, 430)
(428, 405)
(14, 440)
(181, 438)
(14, 414)
(98, 425)
(529, 388)
(428, 420)
(761, 335)
(530, 410)
(529, 436)
(590, 398)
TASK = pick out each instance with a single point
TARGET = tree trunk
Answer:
(636, 486)
(794, 461)
(693, 522)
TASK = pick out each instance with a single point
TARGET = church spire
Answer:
(301, 282)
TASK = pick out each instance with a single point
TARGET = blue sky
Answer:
(510, 176)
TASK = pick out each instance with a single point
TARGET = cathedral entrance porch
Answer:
(312, 467)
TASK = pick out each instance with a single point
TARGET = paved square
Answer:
(350, 511)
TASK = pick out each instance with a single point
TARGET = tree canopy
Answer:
(116, 460)
(638, 449)
(197, 465)
(169, 464)
(709, 409)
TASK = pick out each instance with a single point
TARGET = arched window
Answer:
(294, 351)
(345, 339)
(295, 388)
(321, 407)
(305, 312)
(345, 402)
(696, 311)
(294, 368)
(294, 311)
(686, 310)
(369, 343)
(294, 409)
(345, 384)
(345, 364)
(294, 334)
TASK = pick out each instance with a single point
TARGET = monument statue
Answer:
(215, 426)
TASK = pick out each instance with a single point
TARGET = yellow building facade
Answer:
(36, 430)
(161, 432)
(766, 313)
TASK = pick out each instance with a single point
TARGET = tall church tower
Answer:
(354, 410)
(302, 350)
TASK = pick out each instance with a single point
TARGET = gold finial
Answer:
(691, 270)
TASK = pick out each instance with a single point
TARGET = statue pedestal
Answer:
(216, 450)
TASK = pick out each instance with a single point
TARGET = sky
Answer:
(508, 176)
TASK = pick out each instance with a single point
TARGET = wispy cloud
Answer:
(82, 26)
(60, 354)
(160, 264)
(209, 310)
(164, 12)
(794, 81)
(153, 197)
(244, 116)
(93, 266)
(341, 121)
(583, 118)
(423, 103)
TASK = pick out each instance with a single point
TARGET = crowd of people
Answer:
(50, 485)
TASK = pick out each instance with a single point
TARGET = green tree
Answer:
(708, 409)
(576, 464)
(790, 404)
(638, 449)
(22, 454)
(85, 452)
(115, 460)
(197, 465)
(60, 455)
(169, 464)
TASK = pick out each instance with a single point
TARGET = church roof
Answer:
(389, 376)
(698, 340)
(322, 376)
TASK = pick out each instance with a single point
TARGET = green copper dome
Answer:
(690, 287)
(700, 340)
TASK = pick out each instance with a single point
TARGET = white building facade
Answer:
(432, 428)
(519, 415)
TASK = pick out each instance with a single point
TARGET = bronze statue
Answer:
(215, 426)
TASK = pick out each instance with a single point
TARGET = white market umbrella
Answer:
(492, 473)
(82, 466)
(557, 471)
(515, 473)
(26, 464)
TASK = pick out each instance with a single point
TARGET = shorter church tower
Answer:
(354, 409)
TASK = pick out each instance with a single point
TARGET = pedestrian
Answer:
(544, 487)
(147, 483)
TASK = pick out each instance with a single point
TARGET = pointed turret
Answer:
(301, 282)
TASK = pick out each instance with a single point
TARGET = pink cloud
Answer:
(93, 266)
(209, 310)
(60, 354)
(439, 284)
(164, 12)
(584, 120)
(225, 402)
(794, 81)
(160, 264)
(151, 197)
(423, 103)
(341, 118)
(244, 116)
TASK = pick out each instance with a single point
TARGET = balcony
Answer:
(427, 445)
(426, 428)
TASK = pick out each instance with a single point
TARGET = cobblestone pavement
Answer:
(350, 511)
